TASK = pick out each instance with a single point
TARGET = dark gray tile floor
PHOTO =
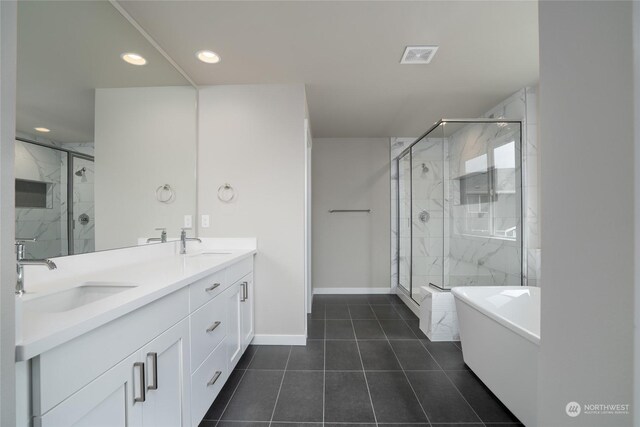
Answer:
(366, 364)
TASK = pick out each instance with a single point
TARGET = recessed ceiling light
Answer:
(43, 130)
(418, 54)
(208, 56)
(133, 58)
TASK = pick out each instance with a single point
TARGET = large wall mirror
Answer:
(105, 148)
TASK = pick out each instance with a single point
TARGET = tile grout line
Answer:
(463, 398)
(284, 373)
(236, 388)
(419, 340)
(364, 373)
(402, 367)
(324, 364)
(438, 363)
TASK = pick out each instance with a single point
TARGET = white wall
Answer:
(586, 142)
(7, 224)
(636, 72)
(351, 250)
(145, 137)
(253, 137)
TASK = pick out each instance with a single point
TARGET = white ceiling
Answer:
(347, 54)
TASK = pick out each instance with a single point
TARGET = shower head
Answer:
(81, 172)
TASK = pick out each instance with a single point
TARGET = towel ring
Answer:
(226, 193)
(165, 194)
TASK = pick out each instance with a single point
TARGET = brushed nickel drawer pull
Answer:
(214, 326)
(243, 296)
(154, 386)
(143, 396)
(212, 287)
(213, 380)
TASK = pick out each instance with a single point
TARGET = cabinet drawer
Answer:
(206, 383)
(240, 269)
(205, 289)
(208, 328)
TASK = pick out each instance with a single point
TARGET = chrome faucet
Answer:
(21, 262)
(183, 241)
(161, 239)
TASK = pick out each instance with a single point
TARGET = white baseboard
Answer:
(266, 339)
(320, 291)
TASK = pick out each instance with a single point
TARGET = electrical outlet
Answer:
(188, 222)
(205, 221)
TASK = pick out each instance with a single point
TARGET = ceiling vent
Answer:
(418, 54)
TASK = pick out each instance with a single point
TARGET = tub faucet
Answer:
(183, 241)
(21, 262)
(161, 239)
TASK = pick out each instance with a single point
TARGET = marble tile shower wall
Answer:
(47, 225)
(83, 204)
(497, 261)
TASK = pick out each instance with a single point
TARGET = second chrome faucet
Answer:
(184, 239)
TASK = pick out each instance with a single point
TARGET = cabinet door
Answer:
(247, 312)
(167, 363)
(233, 298)
(108, 401)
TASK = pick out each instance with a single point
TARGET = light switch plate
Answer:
(205, 221)
(188, 222)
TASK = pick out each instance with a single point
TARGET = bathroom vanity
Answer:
(144, 343)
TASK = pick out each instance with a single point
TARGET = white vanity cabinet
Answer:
(146, 389)
(162, 364)
(240, 322)
(106, 401)
(167, 395)
(233, 299)
(246, 309)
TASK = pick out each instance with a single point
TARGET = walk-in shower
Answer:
(459, 207)
(54, 198)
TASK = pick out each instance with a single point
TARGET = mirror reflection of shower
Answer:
(54, 188)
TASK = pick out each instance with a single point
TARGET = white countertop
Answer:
(154, 278)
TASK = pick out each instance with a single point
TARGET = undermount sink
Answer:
(70, 299)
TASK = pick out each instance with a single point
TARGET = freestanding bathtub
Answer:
(500, 335)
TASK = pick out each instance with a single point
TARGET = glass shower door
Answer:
(428, 201)
(404, 222)
(460, 207)
(485, 205)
